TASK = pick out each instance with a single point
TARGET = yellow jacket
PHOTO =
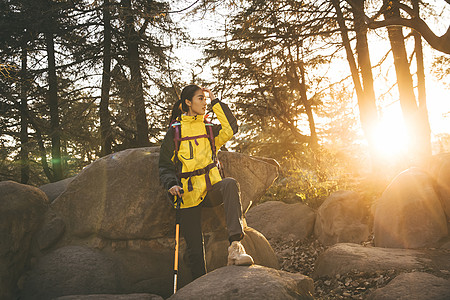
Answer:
(194, 154)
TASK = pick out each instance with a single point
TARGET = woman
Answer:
(191, 168)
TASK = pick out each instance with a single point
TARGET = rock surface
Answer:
(342, 218)
(140, 296)
(254, 282)
(117, 197)
(414, 286)
(254, 175)
(409, 214)
(343, 258)
(22, 208)
(259, 248)
(51, 231)
(441, 173)
(275, 219)
(71, 270)
(255, 244)
(54, 189)
(122, 189)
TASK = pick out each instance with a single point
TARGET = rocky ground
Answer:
(299, 256)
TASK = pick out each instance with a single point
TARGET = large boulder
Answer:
(254, 174)
(121, 267)
(71, 270)
(22, 210)
(343, 258)
(126, 201)
(254, 282)
(275, 220)
(440, 170)
(117, 197)
(147, 266)
(414, 286)
(51, 231)
(342, 218)
(136, 296)
(117, 206)
(259, 248)
(54, 189)
(409, 213)
(255, 244)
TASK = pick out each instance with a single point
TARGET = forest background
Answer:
(343, 94)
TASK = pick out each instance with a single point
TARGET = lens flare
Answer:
(391, 137)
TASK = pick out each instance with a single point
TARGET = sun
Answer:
(391, 136)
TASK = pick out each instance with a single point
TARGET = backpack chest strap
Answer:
(191, 138)
(198, 172)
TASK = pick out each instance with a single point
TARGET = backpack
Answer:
(216, 163)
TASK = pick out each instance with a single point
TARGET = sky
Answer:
(200, 27)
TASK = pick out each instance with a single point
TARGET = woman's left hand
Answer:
(211, 94)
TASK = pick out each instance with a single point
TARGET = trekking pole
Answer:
(248, 207)
(177, 242)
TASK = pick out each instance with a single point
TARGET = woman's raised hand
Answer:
(211, 94)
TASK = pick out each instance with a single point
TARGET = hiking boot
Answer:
(237, 255)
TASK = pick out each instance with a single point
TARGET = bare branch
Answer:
(440, 43)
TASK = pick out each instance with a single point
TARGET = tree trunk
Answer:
(308, 109)
(421, 91)
(55, 133)
(105, 117)
(298, 82)
(132, 40)
(43, 154)
(24, 147)
(418, 143)
(42, 151)
(366, 96)
(367, 107)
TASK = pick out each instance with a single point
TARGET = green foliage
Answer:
(309, 177)
(300, 186)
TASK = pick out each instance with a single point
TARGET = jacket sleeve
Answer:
(167, 169)
(227, 121)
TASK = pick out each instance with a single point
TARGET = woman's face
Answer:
(198, 104)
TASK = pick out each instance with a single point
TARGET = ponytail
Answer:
(177, 110)
(180, 106)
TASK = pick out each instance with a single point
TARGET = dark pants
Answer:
(226, 192)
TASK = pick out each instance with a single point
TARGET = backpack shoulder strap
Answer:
(176, 136)
(209, 131)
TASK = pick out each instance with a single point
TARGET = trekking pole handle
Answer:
(179, 198)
